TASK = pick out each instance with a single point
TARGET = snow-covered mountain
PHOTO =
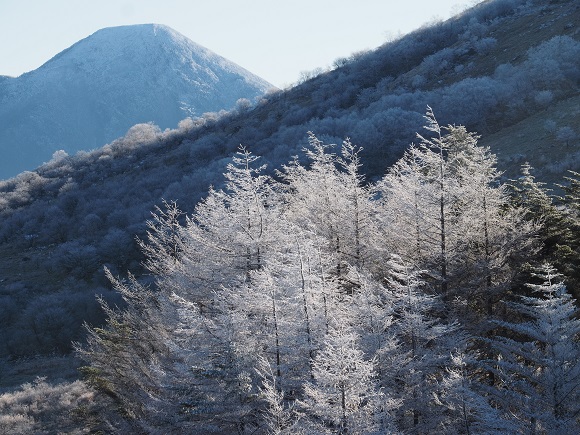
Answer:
(94, 91)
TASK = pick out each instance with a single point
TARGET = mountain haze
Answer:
(94, 91)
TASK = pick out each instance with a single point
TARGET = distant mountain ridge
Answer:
(94, 91)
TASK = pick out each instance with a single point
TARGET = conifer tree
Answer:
(435, 204)
(534, 200)
(425, 345)
(164, 245)
(327, 304)
(495, 235)
(343, 397)
(132, 358)
(567, 253)
(540, 364)
(281, 418)
(444, 211)
(231, 231)
(359, 226)
(465, 404)
(313, 202)
(330, 199)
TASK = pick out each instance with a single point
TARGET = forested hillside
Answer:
(321, 303)
(324, 304)
(433, 282)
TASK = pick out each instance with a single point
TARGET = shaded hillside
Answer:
(95, 90)
(504, 69)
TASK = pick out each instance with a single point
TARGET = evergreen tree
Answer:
(465, 405)
(567, 254)
(132, 359)
(232, 231)
(430, 172)
(425, 345)
(540, 364)
(281, 418)
(326, 304)
(164, 245)
(359, 224)
(444, 211)
(549, 225)
(343, 397)
(329, 198)
(495, 235)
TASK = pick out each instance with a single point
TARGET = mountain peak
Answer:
(140, 44)
(95, 90)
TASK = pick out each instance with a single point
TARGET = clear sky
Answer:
(276, 40)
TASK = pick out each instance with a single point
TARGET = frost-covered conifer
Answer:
(444, 211)
(464, 404)
(343, 397)
(133, 358)
(232, 230)
(164, 244)
(330, 199)
(424, 349)
(539, 367)
(280, 416)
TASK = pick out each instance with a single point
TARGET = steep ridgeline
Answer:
(94, 91)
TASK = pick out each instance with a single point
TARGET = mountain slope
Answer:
(92, 92)
(503, 69)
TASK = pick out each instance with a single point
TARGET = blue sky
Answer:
(277, 40)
